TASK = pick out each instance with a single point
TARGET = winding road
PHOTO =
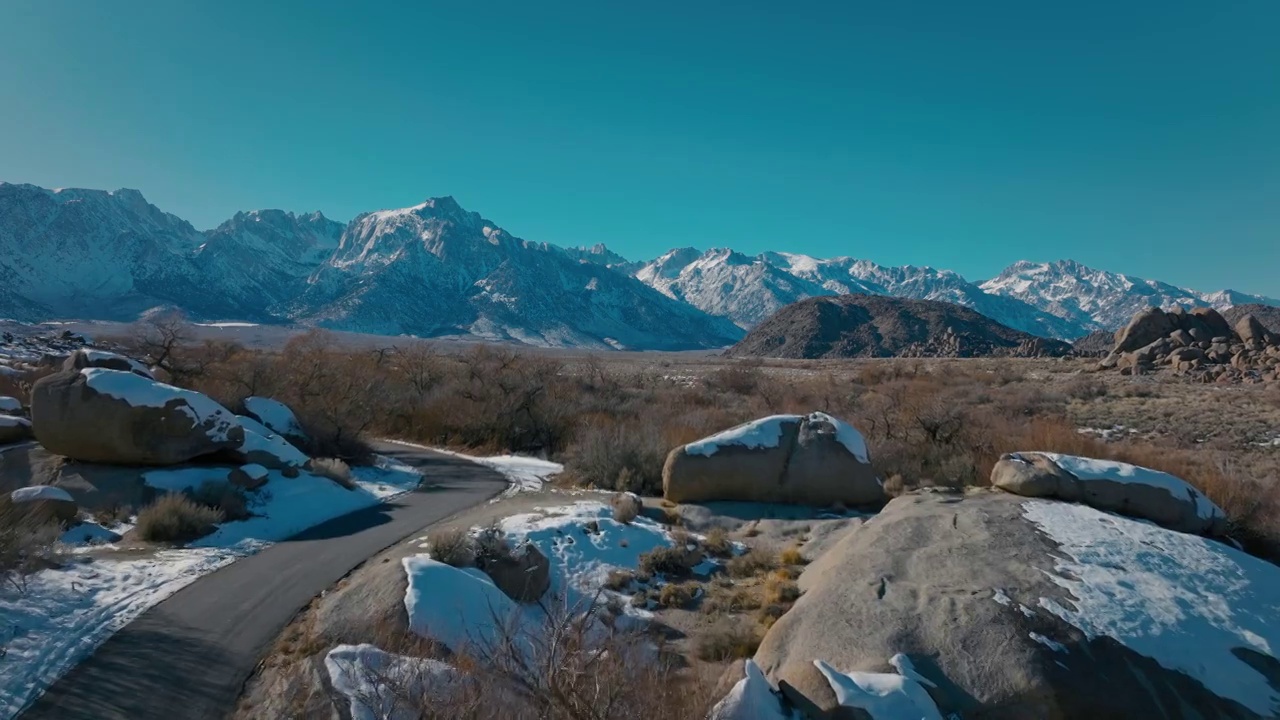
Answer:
(189, 656)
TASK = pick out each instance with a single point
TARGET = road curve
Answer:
(189, 656)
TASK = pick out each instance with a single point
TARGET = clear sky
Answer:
(1137, 136)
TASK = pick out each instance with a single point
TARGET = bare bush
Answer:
(27, 545)
(175, 518)
(222, 496)
(452, 547)
(728, 640)
(333, 468)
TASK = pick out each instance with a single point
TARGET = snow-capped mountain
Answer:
(267, 255)
(749, 289)
(1098, 299)
(97, 254)
(436, 269)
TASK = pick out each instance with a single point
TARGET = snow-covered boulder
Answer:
(456, 606)
(1109, 485)
(10, 405)
(752, 698)
(46, 502)
(116, 417)
(249, 477)
(277, 417)
(14, 429)
(1007, 607)
(810, 459)
(263, 447)
(90, 358)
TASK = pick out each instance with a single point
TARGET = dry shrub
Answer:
(176, 518)
(728, 640)
(452, 547)
(729, 598)
(27, 545)
(619, 580)
(626, 507)
(222, 496)
(780, 589)
(671, 561)
(617, 456)
(754, 562)
(333, 468)
(717, 543)
(678, 595)
(791, 556)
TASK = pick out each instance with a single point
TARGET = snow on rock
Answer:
(374, 682)
(581, 561)
(883, 696)
(8, 421)
(40, 492)
(89, 533)
(1190, 604)
(456, 607)
(765, 432)
(97, 358)
(254, 471)
(143, 392)
(267, 447)
(10, 404)
(1092, 469)
(275, 415)
(752, 698)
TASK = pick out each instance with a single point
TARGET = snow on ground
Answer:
(143, 392)
(1092, 469)
(883, 696)
(92, 534)
(526, 474)
(68, 612)
(1182, 600)
(752, 698)
(373, 681)
(767, 433)
(227, 324)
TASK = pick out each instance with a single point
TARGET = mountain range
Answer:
(435, 269)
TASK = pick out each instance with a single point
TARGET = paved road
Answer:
(189, 656)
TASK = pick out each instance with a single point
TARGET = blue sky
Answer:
(1142, 137)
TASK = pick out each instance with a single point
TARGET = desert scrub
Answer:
(717, 543)
(752, 563)
(222, 496)
(728, 640)
(452, 547)
(779, 589)
(176, 518)
(791, 556)
(671, 561)
(678, 595)
(336, 469)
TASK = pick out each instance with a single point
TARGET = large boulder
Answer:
(523, 576)
(263, 447)
(45, 503)
(1145, 328)
(90, 358)
(1109, 485)
(276, 417)
(1252, 332)
(115, 417)
(810, 459)
(14, 429)
(1004, 607)
(1211, 321)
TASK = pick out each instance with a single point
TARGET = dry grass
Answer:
(791, 556)
(175, 518)
(626, 507)
(728, 640)
(336, 469)
(452, 547)
(678, 595)
(756, 561)
(717, 543)
(222, 496)
(675, 561)
(27, 545)
(780, 589)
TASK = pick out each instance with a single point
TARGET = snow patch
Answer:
(97, 356)
(1182, 600)
(762, 433)
(1051, 644)
(40, 492)
(1089, 468)
(275, 415)
(139, 391)
(883, 696)
(371, 680)
(752, 698)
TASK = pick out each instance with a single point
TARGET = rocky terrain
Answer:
(435, 269)
(1200, 345)
(852, 326)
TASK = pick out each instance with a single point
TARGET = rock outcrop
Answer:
(276, 417)
(45, 503)
(121, 418)
(1005, 607)
(803, 459)
(1107, 485)
(523, 576)
(1199, 344)
(91, 358)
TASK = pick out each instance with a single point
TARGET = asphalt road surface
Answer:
(189, 656)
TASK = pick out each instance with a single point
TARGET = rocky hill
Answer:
(1268, 315)
(852, 326)
(1201, 345)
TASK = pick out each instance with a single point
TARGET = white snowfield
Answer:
(67, 612)
(457, 607)
(373, 681)
(766, 432)
(1091, 469)
(883, 696)
(40, 492)
(1182, 600)
(10, 404)
(103, 355)
(143, 392)
(752, 698)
